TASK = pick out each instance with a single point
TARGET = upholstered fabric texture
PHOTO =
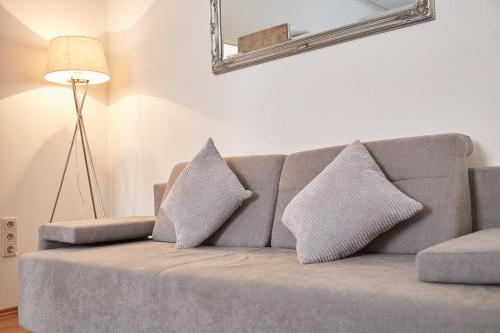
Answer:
(203, 197)
(472, 259)
(151, 287)
(44, 244)
(431, 169)
(251, 224)
(345, 207)
(485, 197)
(95, 231)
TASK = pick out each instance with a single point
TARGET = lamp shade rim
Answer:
(75, 36)
(65, 76)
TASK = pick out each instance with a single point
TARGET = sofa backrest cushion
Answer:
(485, 196)
(430, 169)
(251, 224)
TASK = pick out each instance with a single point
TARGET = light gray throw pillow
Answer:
(203, 197)
(345, 207)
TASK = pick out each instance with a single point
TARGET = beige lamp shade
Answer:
(76, 57)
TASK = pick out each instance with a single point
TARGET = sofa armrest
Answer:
(64, 234)
(470, 259)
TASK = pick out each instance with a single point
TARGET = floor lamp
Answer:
(78, 61)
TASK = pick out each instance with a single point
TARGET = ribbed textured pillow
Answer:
(203, 197)
(345, 207)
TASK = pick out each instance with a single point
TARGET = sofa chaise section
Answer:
(150, 287)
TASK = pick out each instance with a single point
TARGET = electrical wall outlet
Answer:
(9, 223)
(9, 236)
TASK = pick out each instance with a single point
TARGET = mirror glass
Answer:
(251, 25)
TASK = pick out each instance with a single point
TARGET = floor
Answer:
(8, 324)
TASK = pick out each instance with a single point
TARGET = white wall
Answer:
(441, 76)
(37, 118)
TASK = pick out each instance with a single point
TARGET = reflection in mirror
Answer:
(250, 25)
(249, 32)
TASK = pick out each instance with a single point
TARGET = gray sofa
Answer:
(247, 277)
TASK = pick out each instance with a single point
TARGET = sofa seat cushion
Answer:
(151, 287)
(473, 258)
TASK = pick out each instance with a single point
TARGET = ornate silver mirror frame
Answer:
(421, 12)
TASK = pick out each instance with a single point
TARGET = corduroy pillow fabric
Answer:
(345, 207)
(203, 197)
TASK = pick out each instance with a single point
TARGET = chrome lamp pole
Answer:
(87, 154)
